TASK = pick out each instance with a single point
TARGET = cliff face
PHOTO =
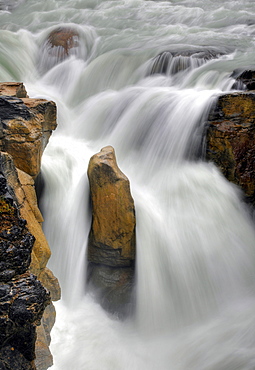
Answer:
(26, 126)
(22, 297)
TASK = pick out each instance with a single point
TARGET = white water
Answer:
(195, 243)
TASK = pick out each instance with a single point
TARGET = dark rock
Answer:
(245, 78)
(16, 242)
(22, 297)
(12, 359)
(114, 287)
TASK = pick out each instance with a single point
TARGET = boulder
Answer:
(25, 127)
(111, 247)
(230, 140)
(61, 41)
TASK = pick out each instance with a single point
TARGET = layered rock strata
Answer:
(230, 140)
(111, 248)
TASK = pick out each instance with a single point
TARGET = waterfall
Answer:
(142, 76)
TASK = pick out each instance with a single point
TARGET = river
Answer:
(195, 241)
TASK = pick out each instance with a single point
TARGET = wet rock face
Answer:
(16, 242)
(22, 297)
(22, 302)
(230, 140)
(25, 127)
(245, 78)
(111, 248)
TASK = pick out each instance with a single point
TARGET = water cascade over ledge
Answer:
(142, 76)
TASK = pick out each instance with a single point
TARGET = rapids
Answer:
(195, 300)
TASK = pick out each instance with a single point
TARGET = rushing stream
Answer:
(195, 298)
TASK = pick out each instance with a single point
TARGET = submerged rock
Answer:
(169, 62)
(111, 249)
(61, 40)
(230, 140)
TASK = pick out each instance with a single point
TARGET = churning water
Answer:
(142, 77)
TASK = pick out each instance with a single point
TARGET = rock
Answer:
(111, 247)
(11, 358)
(13, 89)
(50, 281)
(24, 194)
(25, 127)
(114, 287)
(245, 78)
(62, 40)
(230, 140)
(169, 62)
(112, 235)
(44, 358)
(22, 297)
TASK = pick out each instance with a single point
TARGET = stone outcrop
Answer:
(230, 140)
(13, 89)
(245, 78)
(111, 249)
(25, 127)
(22, 297)
(31, 120)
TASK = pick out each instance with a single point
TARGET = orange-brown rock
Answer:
(111, 248)
(112, 236)
(13, 89)
(25, 127)
(62, 40)
(231, 140)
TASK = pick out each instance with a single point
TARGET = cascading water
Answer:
(195, 242)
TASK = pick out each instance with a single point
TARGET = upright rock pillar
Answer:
(111, 249)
